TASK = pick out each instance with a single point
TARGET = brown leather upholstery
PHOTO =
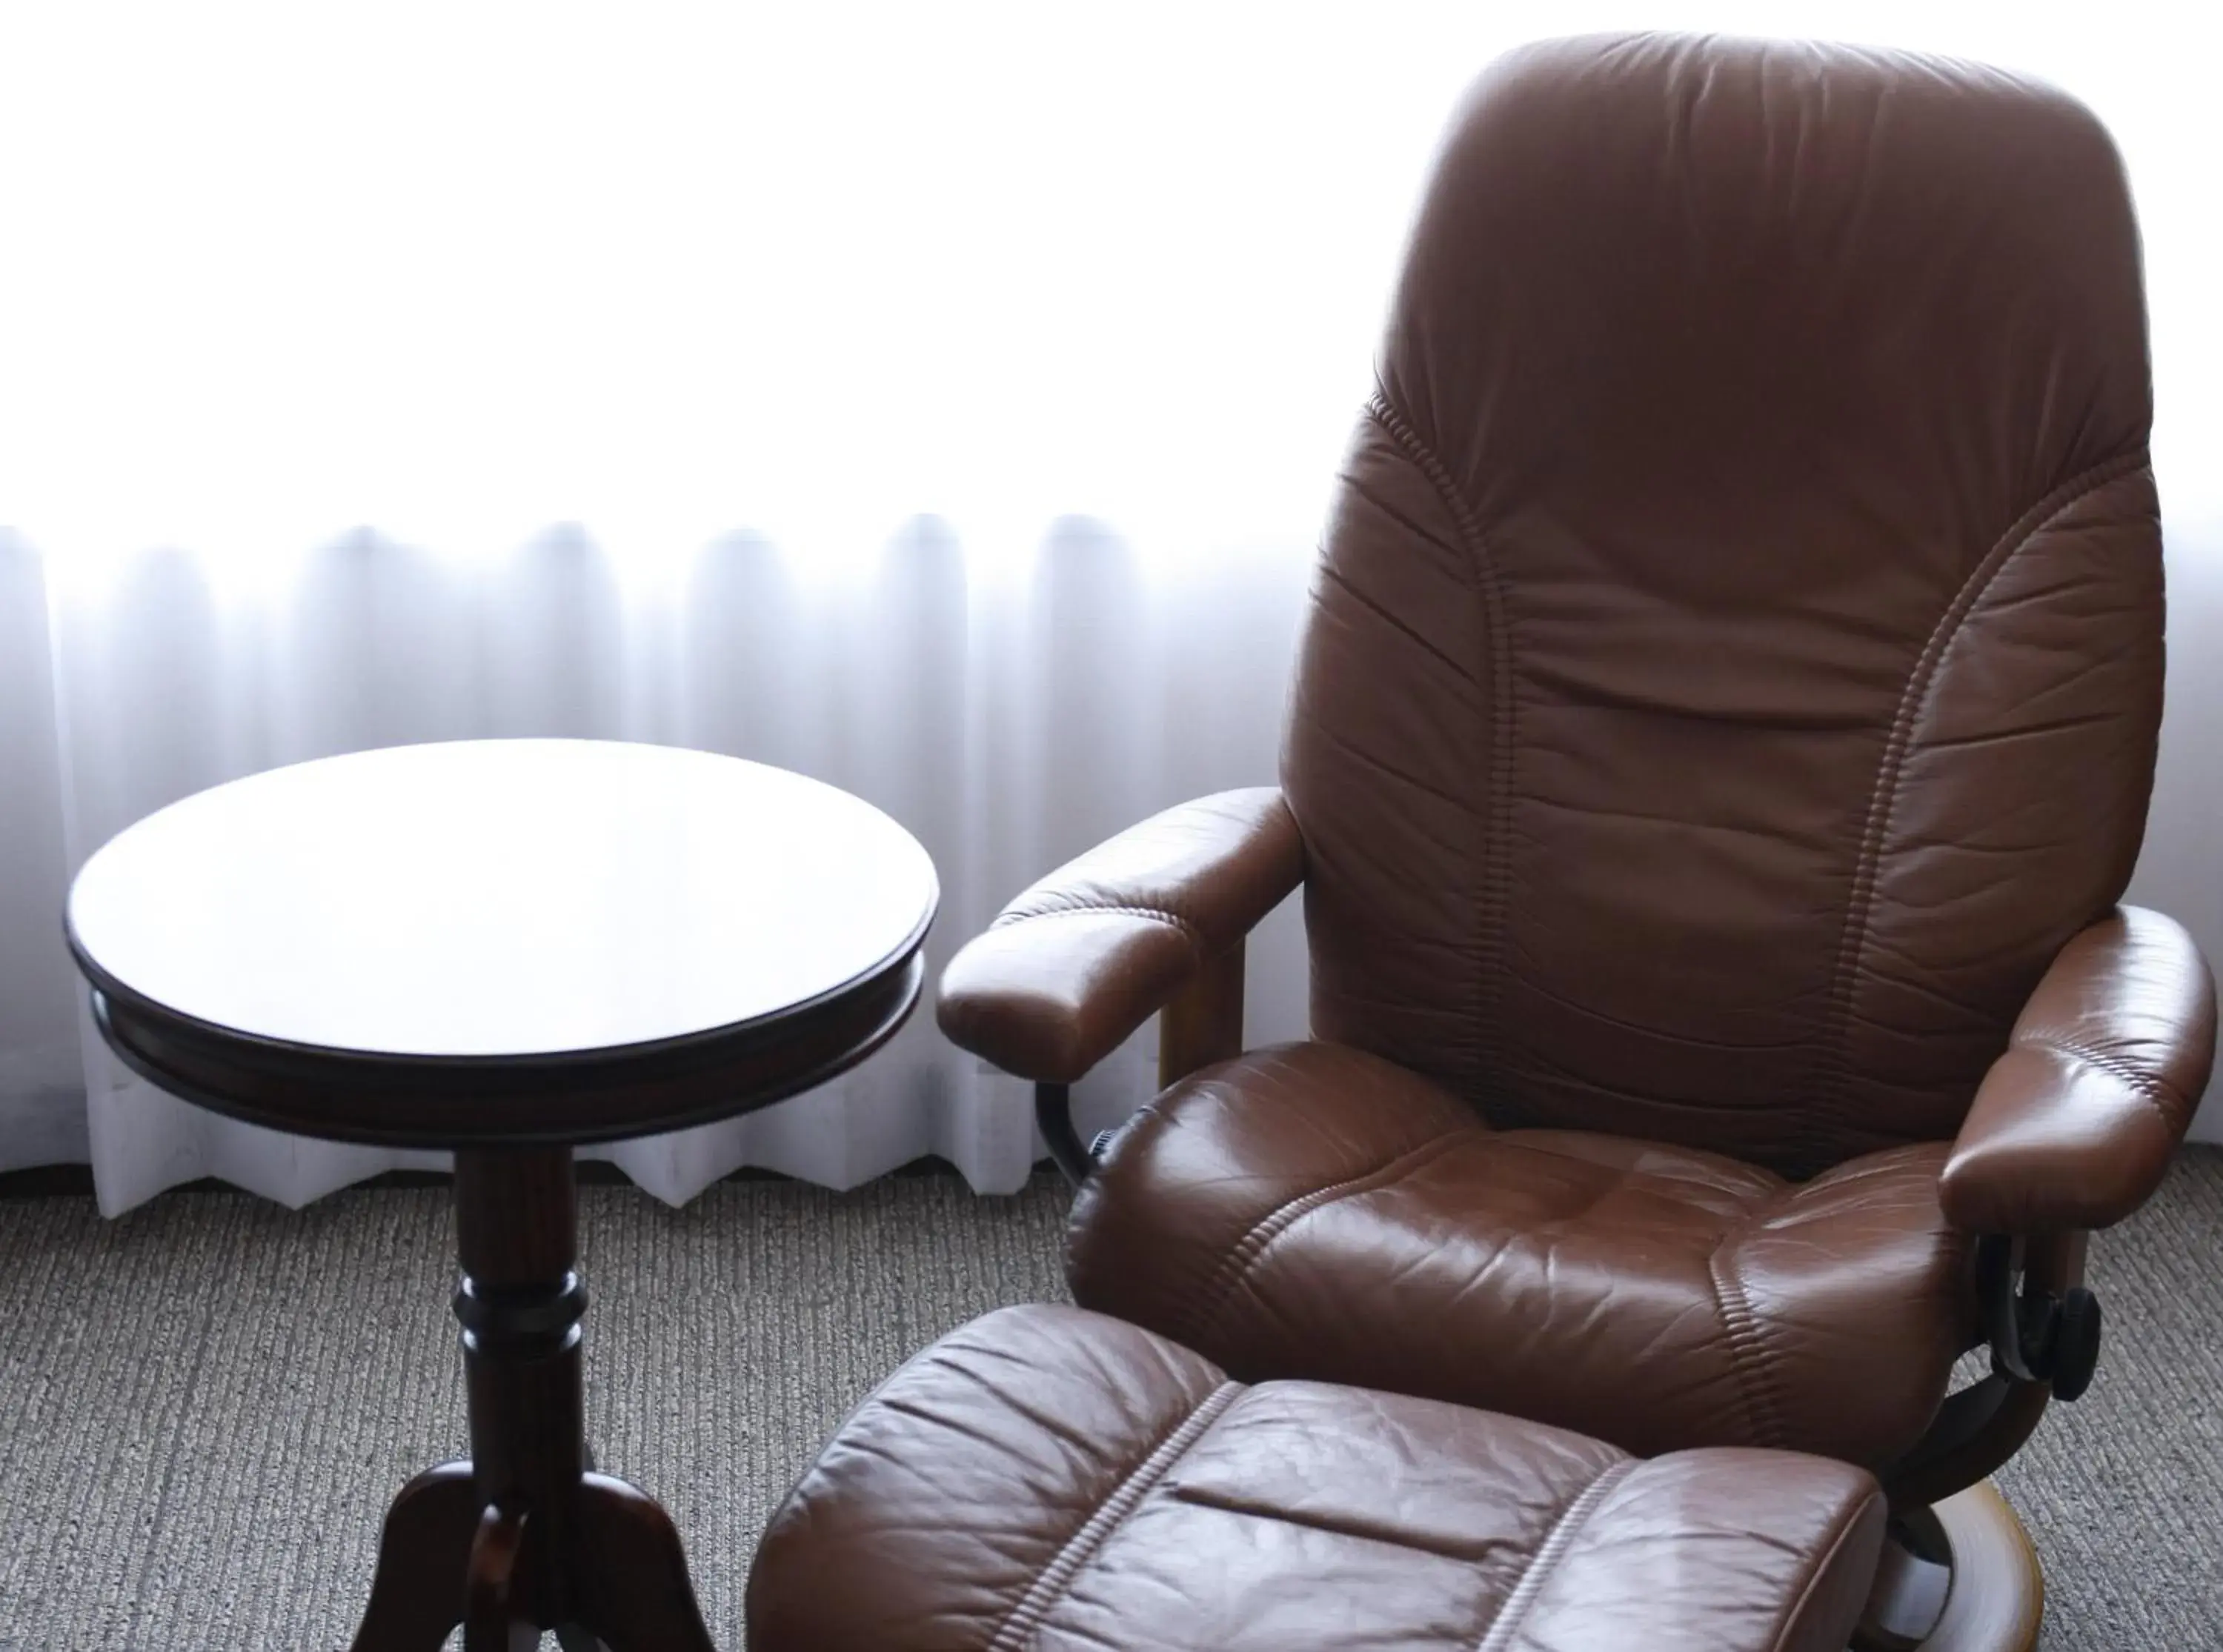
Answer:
(1736, 664)
(1051, 1480)
(1728, 702)
(2073, 1126)
(1312, 1208)
(1084, 957)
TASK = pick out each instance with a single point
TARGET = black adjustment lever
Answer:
(2075, 1353)
(2036, 1335)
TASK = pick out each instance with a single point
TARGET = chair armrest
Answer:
(1087, 955)
(2073, 1126)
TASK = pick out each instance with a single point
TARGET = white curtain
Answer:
(939, 399)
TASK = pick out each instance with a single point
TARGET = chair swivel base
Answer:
(1989, 1597)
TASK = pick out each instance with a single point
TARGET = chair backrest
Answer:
(1736, 661)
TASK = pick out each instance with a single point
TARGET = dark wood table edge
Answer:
(447, 1102)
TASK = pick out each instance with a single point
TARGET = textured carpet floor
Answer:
(205, 1406)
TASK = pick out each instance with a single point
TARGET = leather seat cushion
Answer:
(1049, 1479)
(1313, 1211)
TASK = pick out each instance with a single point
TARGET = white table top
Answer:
(491, 898)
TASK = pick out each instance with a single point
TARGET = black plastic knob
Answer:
(2075, 1351)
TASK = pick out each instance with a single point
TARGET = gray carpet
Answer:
(205, 1406)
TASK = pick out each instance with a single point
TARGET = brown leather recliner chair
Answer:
(1721, 734)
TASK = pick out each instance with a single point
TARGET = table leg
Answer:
(639, 1596)
(416, 1592)
(574, 1638)
(524, 1536)
(491, 1623)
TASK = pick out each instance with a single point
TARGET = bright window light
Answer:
(460, 272)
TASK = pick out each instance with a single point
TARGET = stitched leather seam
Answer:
(1548, 1554)
(1820, 1570)
(1748, 1351)
(1051, 1583)
(2156, 1093)
(1487, 1053)
(1883, 801)
(1082, 908)
(1197, 1496)
(1235, 1266)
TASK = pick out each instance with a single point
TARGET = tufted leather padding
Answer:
(1314, 1209)
(1047, 1480)
(1736, 662)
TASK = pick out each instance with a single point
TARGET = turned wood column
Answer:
(520, 1300)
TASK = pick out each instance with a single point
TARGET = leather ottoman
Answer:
(1050, 1478)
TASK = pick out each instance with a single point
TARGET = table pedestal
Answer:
(525, 1536)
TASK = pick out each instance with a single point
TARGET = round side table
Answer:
(508, 948)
